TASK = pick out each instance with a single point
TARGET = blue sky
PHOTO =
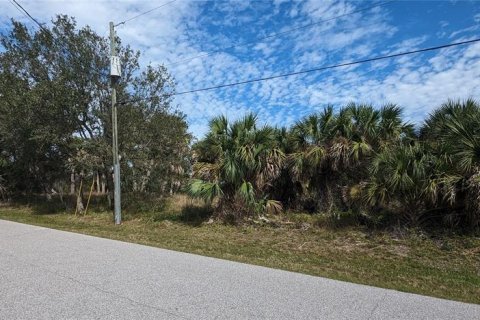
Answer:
(185, 29)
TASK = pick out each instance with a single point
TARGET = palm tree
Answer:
(235, 164)
(333, 151)
(310, 141)
(399, 178)
(439, 173)
(452, 133)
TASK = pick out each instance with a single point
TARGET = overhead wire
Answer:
(182, 71)
(345, 64)
(321, 68)
(144, 13)
(19, 7)
(276, 34)
(19, 10)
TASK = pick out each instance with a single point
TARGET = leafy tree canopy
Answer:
(55, 112)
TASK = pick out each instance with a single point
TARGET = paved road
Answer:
(50, 274)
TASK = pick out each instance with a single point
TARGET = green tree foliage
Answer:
(399, 177)
(55, 129)
(360, 159)
(55, 113)
(236, 164)
(332, 151)
(452, 135)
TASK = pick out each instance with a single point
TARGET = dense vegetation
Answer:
(360, 167)
(55, 123)
(360, 161)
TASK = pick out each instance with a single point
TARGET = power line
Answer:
(144, 13)
(19, 10)
(273, 35)
(329, 53)
(314, 69)
(19, 6)
(345, 64)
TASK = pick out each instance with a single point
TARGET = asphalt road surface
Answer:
(50, 274)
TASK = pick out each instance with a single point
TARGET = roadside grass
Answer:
(445, 266)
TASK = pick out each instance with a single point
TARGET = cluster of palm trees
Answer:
(359, 159)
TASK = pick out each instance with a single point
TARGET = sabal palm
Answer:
(332, 147)
(399, 176)
(344, 138)
(235, 163)
(310, 138)
(453, 135)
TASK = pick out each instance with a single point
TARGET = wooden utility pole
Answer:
(114, 76)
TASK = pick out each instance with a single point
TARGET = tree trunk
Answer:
(109, 180)
(72, 182)
(103, 185)
(98, 183)
(48, 194)
(80, 207)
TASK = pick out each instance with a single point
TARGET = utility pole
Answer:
(115, 73)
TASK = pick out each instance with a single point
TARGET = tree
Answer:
(235, 164)
(452, 134)
(55, 112)
(332, 152)
(399, 177)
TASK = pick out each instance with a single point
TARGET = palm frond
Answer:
(207, 191)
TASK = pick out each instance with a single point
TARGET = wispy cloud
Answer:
(189, 28)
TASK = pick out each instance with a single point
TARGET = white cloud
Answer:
(184, 29)
(464, 30)
(418, 91)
